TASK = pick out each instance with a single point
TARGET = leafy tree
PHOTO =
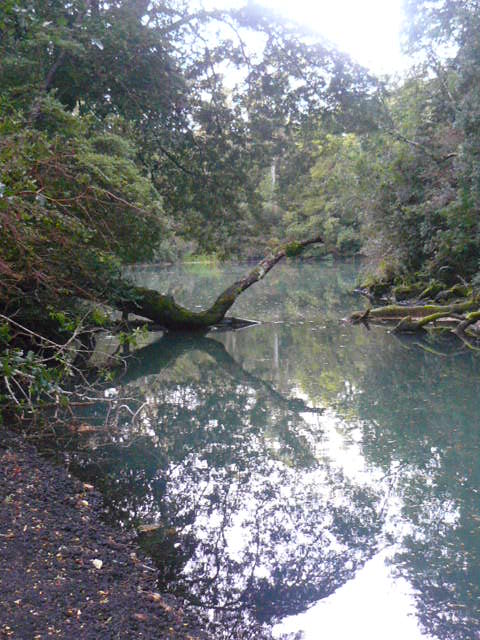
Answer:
(427, 202)
(156, 66)
(120, 134)
(74, 205)
(331, 198)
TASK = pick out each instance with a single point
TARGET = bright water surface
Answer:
(311, 479)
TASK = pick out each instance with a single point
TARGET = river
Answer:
(309, 479)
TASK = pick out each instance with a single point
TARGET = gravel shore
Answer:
(64, 573)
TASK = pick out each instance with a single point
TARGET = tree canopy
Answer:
(132, 128)
(133, 131)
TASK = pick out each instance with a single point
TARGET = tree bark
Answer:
(163, 310)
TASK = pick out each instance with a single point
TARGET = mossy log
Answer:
(393, 312)
(434, 291)
(468, 320)
(163, 310)
(455, 292)
(411, 318)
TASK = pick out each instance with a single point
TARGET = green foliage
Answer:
(329, 197)
(120, 142)
(64, 321)
(98, 318)
(405, 192)
(203, 146)
(26, 379)
(425, 211)
(70, 214)
(132, 338)
(293, 249)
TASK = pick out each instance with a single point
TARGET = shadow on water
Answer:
(275, 462)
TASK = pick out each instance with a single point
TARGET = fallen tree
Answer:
(163, 310)
(53, 341)
(457, 316)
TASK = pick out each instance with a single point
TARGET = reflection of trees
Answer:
(271, 539)
(433, 420)
(416, 404)
(291, 292)
(252, 523)
(413, 405)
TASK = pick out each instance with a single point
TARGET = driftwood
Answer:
(164, 311)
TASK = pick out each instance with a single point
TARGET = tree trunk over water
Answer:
(163, 309)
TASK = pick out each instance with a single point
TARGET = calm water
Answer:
(310, 479)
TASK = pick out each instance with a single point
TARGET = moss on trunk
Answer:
(163, 309)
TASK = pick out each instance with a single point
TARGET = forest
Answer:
(158, 159)
(136, 132)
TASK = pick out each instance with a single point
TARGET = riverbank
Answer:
(64, 571)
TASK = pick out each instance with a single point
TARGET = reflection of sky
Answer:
(371, 606)
(373, 599)
(247, 506)
(258, 497)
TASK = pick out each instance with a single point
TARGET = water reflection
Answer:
(283, 462)
(373, 606)
(409, 409)
(254, 523)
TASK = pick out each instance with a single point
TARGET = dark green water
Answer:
(311, 479)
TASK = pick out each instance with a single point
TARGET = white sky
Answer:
(368, 30)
